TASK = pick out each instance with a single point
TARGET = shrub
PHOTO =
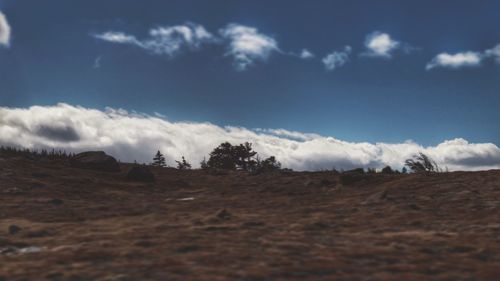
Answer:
(203, 164)
(268, 165)
(353, 176)
(183, 164)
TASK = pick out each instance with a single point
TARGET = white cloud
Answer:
(455, 61)
(337, 59)
(118, 37)
(169, 40)
(4, 31)
(306, 54)
(97, 63)
(132, 136)
(247, 45)
(380, 44)
(494, 52)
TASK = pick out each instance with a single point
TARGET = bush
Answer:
(422, 163)
(268, 165)
(183, 164)
(353, 176)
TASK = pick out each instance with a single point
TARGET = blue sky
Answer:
(380, 71)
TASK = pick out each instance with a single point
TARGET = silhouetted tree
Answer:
(183, 164)
(244, 156)
(203, 164)
(229, 157)
(159, 160)
(268, 165)
(404, 170)
(222, 157)
(422, 163)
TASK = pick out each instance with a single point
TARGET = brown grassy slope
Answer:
(289, 226)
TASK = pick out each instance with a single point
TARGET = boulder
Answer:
(95, 160)
(141, 174)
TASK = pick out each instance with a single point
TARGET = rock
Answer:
(95, 160)
(56, 202)
(141, 174)
(223, 214)
(13, 229)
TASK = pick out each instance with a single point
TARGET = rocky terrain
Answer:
(59, 222)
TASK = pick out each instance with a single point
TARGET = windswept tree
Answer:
(422, 163)
(183, 164)
(159, 160)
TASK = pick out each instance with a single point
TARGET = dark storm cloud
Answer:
(62, 134)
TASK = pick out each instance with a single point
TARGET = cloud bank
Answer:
(132, 136)
(337, 59)
(4, 31)
(167, 40)
(247, 45)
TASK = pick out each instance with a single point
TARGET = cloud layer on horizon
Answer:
(133, 136)
(4, 31)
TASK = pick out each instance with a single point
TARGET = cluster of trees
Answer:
(46, 153)
(242, 157)
(228, 157)
(159, 161)
(236, 157)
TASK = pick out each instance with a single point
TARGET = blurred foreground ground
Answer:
(61, 223)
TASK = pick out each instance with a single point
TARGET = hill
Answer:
(64, 223)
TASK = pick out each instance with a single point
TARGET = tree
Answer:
(404, 170)
(422, 163)
(204, 164)
(268, 165)
(244, 156)
(222, 157)
(229, 157)
(159, 160)
(183, 164)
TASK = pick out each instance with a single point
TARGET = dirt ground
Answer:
(62, 223)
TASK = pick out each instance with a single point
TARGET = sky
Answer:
(299, 78)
